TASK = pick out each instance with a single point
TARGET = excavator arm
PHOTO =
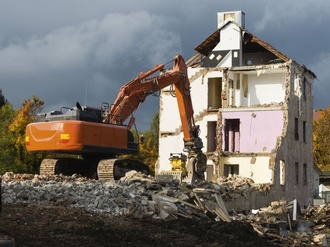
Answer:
(134, 93)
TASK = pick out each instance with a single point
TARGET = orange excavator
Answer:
(99, 135)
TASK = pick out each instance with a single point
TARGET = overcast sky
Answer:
(61, 49)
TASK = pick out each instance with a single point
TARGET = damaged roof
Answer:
(251, 43)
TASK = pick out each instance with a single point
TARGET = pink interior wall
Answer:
(259, 133)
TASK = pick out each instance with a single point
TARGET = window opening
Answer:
(304, 88)
(231, 91)
(232, 137)
(296, 131)
(296, 173)
(282, 172)
(231, 170)
(305, 132)
(245, 86)
(211, 136)
(214, 93)
(305, 174)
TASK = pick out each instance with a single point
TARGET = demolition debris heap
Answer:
(139, 196)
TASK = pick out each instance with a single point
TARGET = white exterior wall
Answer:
(167, 145)
(322, 188)
(259, 172)
(169, 113)
(230, 38)
(226, 62)
(263, 88)
(266, 88)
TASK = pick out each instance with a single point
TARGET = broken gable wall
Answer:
(294, 156)
(288, 166)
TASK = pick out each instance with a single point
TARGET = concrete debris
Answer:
(139, 196)
(135, 194)
(236, 186)
(320, 217)
(310, 228)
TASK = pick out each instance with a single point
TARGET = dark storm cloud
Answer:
(99, 56)
(58, 49)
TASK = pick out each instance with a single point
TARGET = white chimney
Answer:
(236, 16)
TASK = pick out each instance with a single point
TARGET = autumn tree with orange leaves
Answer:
(321, 140)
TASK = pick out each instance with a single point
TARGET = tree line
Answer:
(15, 158)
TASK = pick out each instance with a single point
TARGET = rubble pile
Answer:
(320, 217)
(135, 194)
(112, 197)
(278, 223)
(141, 196)
(236, 186)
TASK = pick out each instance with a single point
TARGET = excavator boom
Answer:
(135, 92)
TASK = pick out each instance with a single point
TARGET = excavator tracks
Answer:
(117, 168)
(47, 167)
(104, 169)
(68, 167)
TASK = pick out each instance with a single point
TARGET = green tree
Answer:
(3, 100)
(321, 140)
(15, 157)
(154, 131)
(148, 149)
(7, 115)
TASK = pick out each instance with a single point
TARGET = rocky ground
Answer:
(136, 211)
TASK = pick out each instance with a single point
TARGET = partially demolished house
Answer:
(254, 106)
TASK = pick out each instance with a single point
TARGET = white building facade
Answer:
(254, 106)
